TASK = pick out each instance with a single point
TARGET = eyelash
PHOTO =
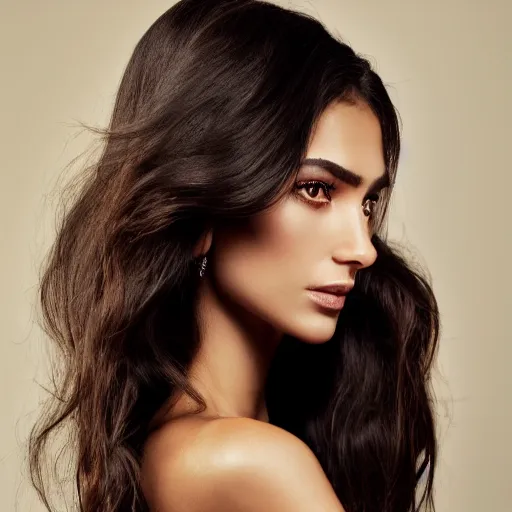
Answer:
(326, 187)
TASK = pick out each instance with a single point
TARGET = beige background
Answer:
(448, 67)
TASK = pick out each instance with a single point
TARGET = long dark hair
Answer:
(210, 125)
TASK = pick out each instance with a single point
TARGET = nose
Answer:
(354, 244)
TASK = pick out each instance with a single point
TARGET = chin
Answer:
(317, 329)
(317, 339)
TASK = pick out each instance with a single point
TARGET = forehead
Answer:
(349, 135)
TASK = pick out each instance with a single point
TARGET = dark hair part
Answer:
(210, 125)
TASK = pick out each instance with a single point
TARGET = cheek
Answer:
(265, 266)
(261, 263)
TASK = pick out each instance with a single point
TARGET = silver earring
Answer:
(366, 210)
(203, 267)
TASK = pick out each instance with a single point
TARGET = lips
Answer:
(331, 296)
(334, 289)
(327, 300)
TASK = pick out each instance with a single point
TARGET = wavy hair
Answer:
(210, 124)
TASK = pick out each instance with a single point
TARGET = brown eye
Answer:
(313, 188)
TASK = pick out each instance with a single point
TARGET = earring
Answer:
(366, 210)
(203, 267)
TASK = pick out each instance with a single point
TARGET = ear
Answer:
(204, 244)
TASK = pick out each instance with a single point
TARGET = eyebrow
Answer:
(347, 176)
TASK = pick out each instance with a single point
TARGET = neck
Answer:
(236, 349)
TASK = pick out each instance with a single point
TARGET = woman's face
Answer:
(313, 237)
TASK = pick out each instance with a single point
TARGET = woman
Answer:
(248, 163)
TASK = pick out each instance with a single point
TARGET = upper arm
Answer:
(242, 465)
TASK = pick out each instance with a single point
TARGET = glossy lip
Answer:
(331, 296)
(327, 300)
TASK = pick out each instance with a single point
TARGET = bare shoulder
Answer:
(235, 464)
